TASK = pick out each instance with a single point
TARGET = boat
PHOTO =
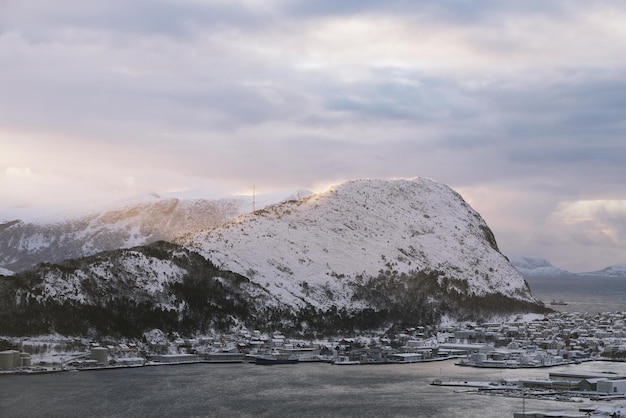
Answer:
(268, 360)
(560, 302)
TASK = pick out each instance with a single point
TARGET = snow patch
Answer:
(6, 272)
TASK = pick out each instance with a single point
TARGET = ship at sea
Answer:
(559, 302)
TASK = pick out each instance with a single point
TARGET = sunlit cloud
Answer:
(518, 105)
(590, 210)
(594, 222)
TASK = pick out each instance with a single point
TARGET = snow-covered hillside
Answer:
(536, 267)
(617, 270)
(127, 292)
(313, 249)
(365, 255)
(25, 244)
(5, 272)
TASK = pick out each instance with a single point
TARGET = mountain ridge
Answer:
(23, 244)
(364, 255)
(532, 267)
(408, 224)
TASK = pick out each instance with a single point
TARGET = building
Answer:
(405, 357)
(612, 386)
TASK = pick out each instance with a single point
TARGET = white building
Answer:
(612, 386)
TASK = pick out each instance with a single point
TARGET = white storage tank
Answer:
(16, 358)
(25, 360)
(101, 354)
(6, 359)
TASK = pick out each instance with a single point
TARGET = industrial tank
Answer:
(101, 354)
(9, 359)
(6, 360)
(25, 360)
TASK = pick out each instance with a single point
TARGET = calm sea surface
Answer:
(248, 390)
(582, 294)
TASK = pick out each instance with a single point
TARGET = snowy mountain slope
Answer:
(126, 292)
(617, 270)
(365, 255)
(536, 267)
(5, 272)
(317, 249)
(24, 244)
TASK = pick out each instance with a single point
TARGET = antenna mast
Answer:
(253, 198)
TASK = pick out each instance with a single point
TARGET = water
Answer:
(582, 294)
(303, 390)
(247, 390)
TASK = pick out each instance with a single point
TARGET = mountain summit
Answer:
(364, 231)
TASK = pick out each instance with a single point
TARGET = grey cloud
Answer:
(178, 19)
(553, 117)
(594, 233)
(162, 82)
(413, 96)
(452, 11)
(575, 154)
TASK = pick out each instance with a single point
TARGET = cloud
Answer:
(596, 228)
(595, 220)
(518, 104)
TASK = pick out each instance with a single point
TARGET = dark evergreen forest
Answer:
(207, 299)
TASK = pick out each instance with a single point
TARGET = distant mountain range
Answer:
(532, 267)
(367, 254)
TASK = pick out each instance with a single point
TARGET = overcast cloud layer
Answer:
(518, 105)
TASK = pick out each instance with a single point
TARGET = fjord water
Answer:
(303, 390)
(248, 390)
(581, 293)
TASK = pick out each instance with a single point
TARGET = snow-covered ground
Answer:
(6, 272)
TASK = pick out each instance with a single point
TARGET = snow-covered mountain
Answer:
(25, 244)
(617, 270)
(364, 255)
(305, 249)
(536, 266)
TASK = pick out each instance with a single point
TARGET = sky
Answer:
(520, 106)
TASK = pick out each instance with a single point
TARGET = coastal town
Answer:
(543, 341)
